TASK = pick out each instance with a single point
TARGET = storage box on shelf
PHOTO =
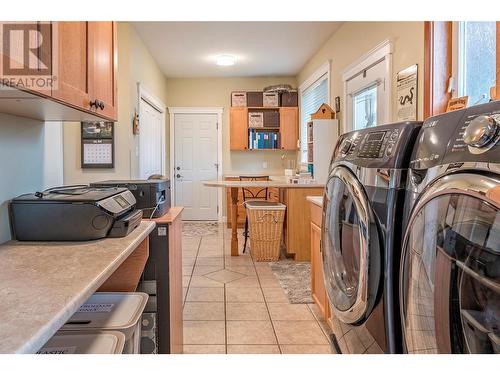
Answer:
(238, 99)
(270, 99)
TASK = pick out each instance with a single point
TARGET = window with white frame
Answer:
(313, 92)
(367, 86)
(474, 60)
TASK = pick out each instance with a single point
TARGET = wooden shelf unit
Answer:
(288, 130)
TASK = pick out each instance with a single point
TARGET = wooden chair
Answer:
(250, 194)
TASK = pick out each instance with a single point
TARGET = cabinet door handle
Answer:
(94, 103)
(101, 105)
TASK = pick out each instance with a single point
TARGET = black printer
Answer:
(76, 213)
(152, 195)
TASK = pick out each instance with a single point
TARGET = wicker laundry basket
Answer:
(265, 221)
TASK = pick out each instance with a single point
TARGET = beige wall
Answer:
(135, 64)
(216, 92)
(354, 39)
(21, 162)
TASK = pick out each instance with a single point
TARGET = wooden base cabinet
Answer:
(318, 290)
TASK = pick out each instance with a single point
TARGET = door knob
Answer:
(178, 168)
(178, 175)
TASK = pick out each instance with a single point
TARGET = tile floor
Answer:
(233, 305)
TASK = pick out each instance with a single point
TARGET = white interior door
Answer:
(151, 152)
(195, 161)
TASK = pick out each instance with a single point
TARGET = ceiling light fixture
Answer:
(225, 60)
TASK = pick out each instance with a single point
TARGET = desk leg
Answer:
(234, 221)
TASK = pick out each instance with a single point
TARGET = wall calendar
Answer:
(97, 145)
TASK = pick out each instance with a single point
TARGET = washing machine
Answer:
(361, 235)
(450, 265)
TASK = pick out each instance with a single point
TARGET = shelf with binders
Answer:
(263, 139)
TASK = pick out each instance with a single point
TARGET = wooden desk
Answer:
(297, 211)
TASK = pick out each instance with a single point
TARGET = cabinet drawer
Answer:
(316, 214)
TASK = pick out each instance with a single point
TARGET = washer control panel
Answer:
(378, 144)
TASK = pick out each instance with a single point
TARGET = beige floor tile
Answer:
(204, 282)
(287, 311)
(244, 295)
(210, 261)
(204, 270)
(269, 282)
(245, 270)
(250, 332)
(225, 276)
(209, 254)
(246, 311)
(187, 270)
(186, 280)
(190, 253)
(204, 333)
(253, 349)
(245, 282)
(204, 349)
(203, 311)
(184, 294)
(354, 343)
(299, 333)
(188, 261)
(306, 349)
(274, 295)
(205, 295)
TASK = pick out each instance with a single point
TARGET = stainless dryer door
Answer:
(450, 271)
(350, 247)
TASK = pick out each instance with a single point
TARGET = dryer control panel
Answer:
(380, 146)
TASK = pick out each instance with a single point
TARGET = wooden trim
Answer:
(437, 66)
(498, 61)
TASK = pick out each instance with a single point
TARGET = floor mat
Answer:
(295, 279)
(195, 229)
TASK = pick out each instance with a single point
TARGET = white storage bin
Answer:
(238, 99)
(255, 120)
(112, 311)
(271, 99)
(108, 342)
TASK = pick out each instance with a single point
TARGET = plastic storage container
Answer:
(109, 342)
(114, 312)
(265, 221)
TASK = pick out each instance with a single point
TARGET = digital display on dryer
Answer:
(375, 136)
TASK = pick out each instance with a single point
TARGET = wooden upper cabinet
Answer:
(102, 63)
(72, 70)
(289, 127)
(238, 124)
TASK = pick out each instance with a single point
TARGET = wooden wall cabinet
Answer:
(289, 127)
(288, 130)
(84, 64)
(238, 128)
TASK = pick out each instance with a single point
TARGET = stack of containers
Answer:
(105, 312)
(110, 342)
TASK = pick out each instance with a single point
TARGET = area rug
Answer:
(196, 229)
(295, 279)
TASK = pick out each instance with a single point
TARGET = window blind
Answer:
(311, 99)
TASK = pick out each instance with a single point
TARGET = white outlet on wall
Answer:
(264, 164)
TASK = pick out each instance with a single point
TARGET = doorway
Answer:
(152, 145)
(196, 155)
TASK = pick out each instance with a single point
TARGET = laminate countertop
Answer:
(42, 284)
(281, 183)
(315, 199)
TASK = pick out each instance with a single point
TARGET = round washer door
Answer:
(350, 247)
(450, 271)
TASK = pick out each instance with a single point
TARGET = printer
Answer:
(75, 213)
(152, 195)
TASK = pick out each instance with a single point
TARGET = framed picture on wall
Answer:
(97, 145)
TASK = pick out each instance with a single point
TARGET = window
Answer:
(313, 92)
(365, 108)
(367, 89)
(474, 60)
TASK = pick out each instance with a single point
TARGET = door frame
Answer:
(146, 95)
(381, 52)
(197, 111)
